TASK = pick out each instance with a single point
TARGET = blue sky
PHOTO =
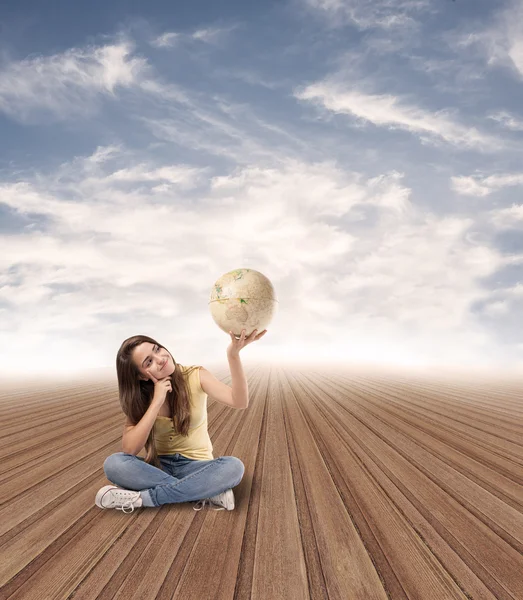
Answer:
(364, 155)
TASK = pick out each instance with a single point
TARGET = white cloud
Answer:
(226, 130)
(515, 52)
(499, 307)
(251, 77)
(507, 120)
(499, 42)
(508, 218)
(208, 35)
(141, 172)
(386, 110)
(122, 241)
(371, 14)
(166, 40)
(103, 153)
(90, 188)
(72, 84)
(396, 275)
(69, 83)
(483, 186)
(469, 186)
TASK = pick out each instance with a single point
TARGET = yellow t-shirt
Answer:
(197, 445)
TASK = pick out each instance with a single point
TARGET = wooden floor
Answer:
(356, 486)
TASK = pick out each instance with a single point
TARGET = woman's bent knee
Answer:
(113, 461)
(237, 467)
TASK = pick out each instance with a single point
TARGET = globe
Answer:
(242, 299)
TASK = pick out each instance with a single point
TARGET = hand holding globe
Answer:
(236, 345)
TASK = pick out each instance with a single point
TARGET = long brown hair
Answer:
(135, 394)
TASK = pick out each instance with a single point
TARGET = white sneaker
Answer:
(223, 501)
(111, 496)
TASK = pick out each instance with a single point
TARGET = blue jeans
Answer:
(180, 479)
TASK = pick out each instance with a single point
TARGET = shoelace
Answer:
(120, 495)
(210, 503)
(128, 504)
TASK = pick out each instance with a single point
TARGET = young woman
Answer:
(166, 408)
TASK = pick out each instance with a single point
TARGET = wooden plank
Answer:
(480, 400)
(279, 568)
(443, 435)
(347, 568)
(358, 484)
(462, 511)
(40, 517)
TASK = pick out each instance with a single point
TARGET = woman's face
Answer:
(153, 358)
